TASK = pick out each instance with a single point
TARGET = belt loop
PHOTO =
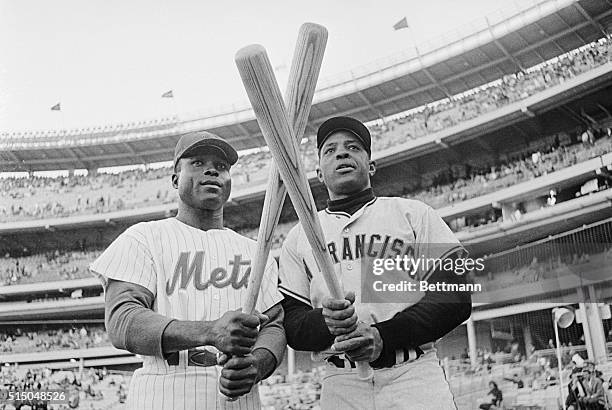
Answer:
(173, 359)
(399, 356)
(184, 358)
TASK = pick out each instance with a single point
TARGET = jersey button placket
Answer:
(348, 265)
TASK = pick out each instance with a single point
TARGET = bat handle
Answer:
(364, 371)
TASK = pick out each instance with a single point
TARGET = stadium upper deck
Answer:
(498, 46)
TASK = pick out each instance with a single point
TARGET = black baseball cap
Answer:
(191, 141)
(349, 124)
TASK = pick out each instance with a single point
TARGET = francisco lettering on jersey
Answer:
(187, 269)
(375, 246)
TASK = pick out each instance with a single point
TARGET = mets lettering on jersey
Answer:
(212, 267)
(385, 228)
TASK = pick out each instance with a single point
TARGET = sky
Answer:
(109, 61)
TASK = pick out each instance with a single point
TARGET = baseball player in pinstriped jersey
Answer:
(393, 331)
(175, 285)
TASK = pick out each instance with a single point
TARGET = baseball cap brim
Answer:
(188, 144)
(349, 124)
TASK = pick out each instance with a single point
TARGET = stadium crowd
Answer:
(447, 186)
(91, 388)
(29, 341)
(582, 253)
(36, 197)
(457, 182)
(446, 113)
(461, 182)
(45, 267)
(300, 391)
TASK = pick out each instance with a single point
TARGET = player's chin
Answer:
(212, 197)
(210, 202)
(349, 184)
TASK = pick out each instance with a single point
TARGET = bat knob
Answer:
(364, 371)
(250, 51)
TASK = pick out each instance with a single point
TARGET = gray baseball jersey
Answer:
(194, 275)
(386, 228)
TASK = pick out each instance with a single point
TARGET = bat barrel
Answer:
(263, 92)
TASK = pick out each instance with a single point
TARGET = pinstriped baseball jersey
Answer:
(384, 228)
(194, 275)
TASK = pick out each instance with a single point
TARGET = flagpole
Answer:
(62, 120)
(176, 108)
(170, 95)
(414, 42)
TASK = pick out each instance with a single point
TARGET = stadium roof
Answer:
(500, 45)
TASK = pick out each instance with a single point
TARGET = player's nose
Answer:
(210, 170)
(341, 154)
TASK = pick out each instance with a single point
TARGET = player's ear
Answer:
(372, 169)
(175, 180)
(319, 175)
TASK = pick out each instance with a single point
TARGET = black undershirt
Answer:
(436, 314)
(353, 203)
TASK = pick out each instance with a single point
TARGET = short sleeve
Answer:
(434, 239)
(293, 272)
(127, 259)
(269, 294)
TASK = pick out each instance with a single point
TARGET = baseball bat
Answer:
(265, 97)
(303, 76)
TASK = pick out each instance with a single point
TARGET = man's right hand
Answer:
(339, 314)
(235, 332)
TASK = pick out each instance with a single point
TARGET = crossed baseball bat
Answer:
(282, 129)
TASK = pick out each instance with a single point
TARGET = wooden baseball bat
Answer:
(303, 76)
(305, 68)
(261, 86)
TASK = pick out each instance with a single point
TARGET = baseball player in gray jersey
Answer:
(367, 237)
(174, 289)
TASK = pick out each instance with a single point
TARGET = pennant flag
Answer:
(403, 23)
(56, 107)
(168, 94)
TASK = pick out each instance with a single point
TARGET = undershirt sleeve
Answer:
(305, 327)
(130, 321)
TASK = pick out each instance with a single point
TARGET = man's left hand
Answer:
(238, 375)
(364, 344)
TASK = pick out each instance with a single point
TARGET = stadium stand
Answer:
(447, 187)
(96, 389)
(30, 340)
(48, 267)
(43, 197)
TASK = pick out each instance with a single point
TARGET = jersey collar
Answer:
(357, 213)
(350, 205)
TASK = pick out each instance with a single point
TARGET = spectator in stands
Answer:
(595, 395)
(516, 380)
(575, 399)
(494, 397)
